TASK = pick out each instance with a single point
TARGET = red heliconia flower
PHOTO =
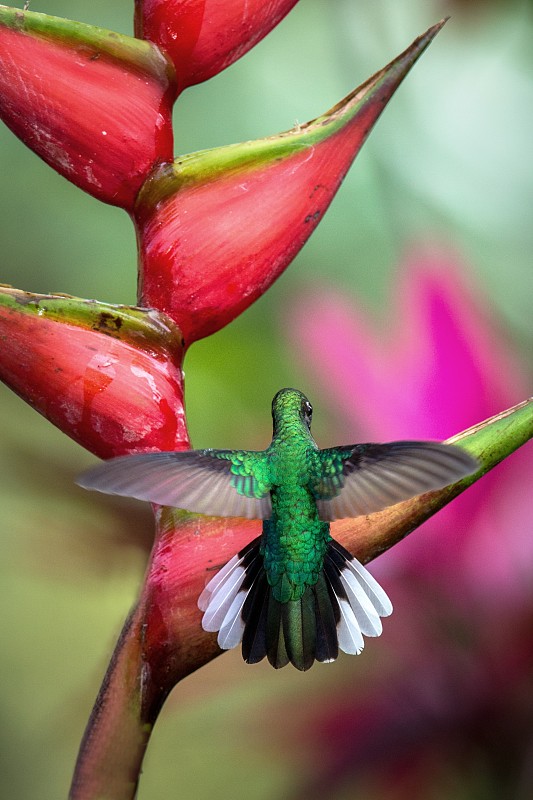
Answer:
(217, 227)
(214, 229)
(94, 104)
(203, 37)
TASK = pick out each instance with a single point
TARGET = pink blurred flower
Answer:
(447, 709)
(436, 364)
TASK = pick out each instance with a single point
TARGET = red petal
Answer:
(203, 37)
(93, 104)
(220, 226)
(103, 374)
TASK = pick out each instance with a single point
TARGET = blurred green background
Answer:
(449, 162)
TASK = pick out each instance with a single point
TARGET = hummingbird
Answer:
(293, 594)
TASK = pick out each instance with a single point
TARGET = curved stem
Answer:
(112, 750)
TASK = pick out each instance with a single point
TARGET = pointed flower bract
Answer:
(219, 226)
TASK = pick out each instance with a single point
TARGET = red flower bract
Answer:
(93, 104)
(108, 376)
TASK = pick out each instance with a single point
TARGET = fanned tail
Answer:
(334, 614)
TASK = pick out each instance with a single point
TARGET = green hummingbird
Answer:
(293, 594)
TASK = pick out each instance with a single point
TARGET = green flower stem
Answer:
(146, 329)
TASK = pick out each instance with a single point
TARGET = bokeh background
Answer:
(408, 313)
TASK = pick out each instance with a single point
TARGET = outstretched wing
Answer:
(225, 483)
(364, 478)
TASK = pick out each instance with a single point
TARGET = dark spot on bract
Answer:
(108, 323)
(317, 188)
(312, 217)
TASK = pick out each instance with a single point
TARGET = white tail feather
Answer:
(349, 634)
(365, 613)
(216, 581)
(232, 628)
(373, 590)
(222, 599)
(361, 600)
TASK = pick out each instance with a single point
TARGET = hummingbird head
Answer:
(289, 404)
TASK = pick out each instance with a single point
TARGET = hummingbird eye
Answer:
(307, 411)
